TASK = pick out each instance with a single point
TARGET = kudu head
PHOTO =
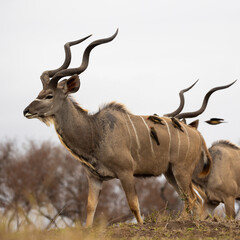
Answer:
(54, 93)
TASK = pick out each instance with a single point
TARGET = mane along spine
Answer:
(226, 143)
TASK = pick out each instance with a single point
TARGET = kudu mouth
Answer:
(28, 114)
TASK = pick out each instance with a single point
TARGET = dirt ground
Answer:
(155, 227)
(177, 229)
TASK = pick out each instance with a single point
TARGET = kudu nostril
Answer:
(25, 111)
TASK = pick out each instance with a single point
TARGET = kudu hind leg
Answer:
(127, 181)
(177, 185)
(171, 179)
(94, 190)
(187, 193)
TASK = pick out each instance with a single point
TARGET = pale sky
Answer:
(162, 47)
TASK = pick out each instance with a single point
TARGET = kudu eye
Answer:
(49, 97)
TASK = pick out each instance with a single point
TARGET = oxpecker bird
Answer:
(215, 121)
(154, 118)
(176, 124)
(153, 134)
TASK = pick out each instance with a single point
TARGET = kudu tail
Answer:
(207, 161)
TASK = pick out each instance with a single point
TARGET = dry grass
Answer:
(75, 233)
(156, 226)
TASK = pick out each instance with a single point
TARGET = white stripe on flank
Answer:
(135, 131)
(128, 130)
(185, 130)
(150, 139)
(170, 139)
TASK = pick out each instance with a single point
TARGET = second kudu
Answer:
(113, 143)
(222, 185)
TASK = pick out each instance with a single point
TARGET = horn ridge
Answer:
(46, 75)
(182, 102)
(84, 64)
(204, 104)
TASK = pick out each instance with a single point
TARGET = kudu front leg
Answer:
(208, 209)
(229, 207)
(127, 181)
(94, 189)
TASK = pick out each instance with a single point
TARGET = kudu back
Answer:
(114, 143)
(222, 185)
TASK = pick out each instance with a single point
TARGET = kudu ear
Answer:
(194, 124)
(71, 85)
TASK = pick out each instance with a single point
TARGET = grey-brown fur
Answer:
(222, 185)
(108, 147)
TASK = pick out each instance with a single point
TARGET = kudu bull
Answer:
(222, 185)
(113, 143)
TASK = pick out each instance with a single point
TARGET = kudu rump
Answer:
(113, 143)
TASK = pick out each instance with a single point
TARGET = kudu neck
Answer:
(77, 129)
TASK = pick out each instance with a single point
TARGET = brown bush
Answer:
(45, 174)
